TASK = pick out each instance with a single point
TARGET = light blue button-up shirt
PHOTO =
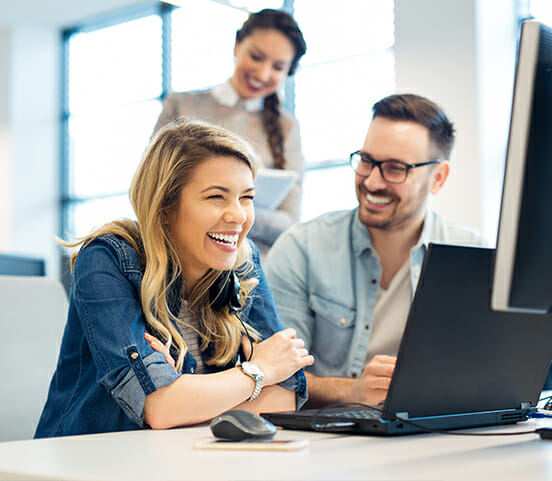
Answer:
(325, 276)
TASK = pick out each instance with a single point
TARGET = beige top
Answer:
(390, 314)
(222, 106)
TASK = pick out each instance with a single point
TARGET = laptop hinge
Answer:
(403, 415)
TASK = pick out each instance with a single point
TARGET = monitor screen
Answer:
(522, 273)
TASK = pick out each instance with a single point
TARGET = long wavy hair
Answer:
(166, 167)
(270, 19)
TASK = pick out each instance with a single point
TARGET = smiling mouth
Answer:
(227, 240)
(256, 84)
(378, 200)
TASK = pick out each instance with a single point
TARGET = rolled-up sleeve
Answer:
(111, 317)
(142, 379)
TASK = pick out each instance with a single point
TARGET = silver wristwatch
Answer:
(255, 372)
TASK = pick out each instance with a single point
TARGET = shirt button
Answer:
(374, 281)
(342, 321)
(354, 374)
(192, 370)
(373, 254)
(366, 326)
(134, 355)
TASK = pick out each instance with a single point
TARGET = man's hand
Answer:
(373, 384)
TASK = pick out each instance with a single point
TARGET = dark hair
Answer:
(278, 20)
(423, 111)
(286, 24)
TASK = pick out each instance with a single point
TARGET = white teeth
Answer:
(224, 239)
(378, 200)
(255, 83)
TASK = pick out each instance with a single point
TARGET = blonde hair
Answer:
(166, 167)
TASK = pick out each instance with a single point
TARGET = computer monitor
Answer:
(522, 273)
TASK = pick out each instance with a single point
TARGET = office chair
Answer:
(33, 311)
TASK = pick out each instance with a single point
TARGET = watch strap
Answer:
(259, 378)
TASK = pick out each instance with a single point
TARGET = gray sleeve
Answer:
(170, 111)
(294, 161)
(270, 224)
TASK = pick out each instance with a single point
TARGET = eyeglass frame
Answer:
(379, 163)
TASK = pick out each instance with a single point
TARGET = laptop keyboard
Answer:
(351, 414)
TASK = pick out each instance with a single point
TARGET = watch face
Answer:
(252, 368)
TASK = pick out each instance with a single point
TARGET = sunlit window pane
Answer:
(115, 81)
(542, 10)
(254, 5)
(334, 101)
(115, 65)
(337, 30)
(348, 66)
(328, 189)
(203, 36)
(84, 217)
(105, 149)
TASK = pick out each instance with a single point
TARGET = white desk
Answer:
(169, 455)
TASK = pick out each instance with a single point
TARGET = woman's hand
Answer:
(158, 346)
(280, 356)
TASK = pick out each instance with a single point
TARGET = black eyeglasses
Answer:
(392, 171)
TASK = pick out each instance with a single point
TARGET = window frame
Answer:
(164, 10)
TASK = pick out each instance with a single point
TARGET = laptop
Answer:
(460, 364)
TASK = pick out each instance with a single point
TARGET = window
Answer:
(113, 89)
(117, 73)
(348, 66)
(541, 9)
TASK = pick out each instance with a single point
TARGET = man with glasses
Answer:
(345, 280)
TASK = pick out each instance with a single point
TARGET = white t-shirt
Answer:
(390, 314)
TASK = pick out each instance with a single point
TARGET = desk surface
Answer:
(169, 455)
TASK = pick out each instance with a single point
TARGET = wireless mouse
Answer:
(237, 425)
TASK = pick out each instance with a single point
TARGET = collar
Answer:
(427, 230)
(226, 95)
(361, 235)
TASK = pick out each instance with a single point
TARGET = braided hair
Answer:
(284, 23)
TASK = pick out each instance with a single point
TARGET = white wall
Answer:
(29, 138)
(461, 54)
(36, 132)
(5, 141)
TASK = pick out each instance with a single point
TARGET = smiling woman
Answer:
(212, 217)
(182, 282)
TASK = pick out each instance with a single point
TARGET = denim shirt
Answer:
(106, 368)
(325, 276)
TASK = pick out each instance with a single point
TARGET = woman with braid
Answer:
(268, 48)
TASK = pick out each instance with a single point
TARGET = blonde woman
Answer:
(184, 275)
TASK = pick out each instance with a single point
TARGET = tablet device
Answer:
(272, 186)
